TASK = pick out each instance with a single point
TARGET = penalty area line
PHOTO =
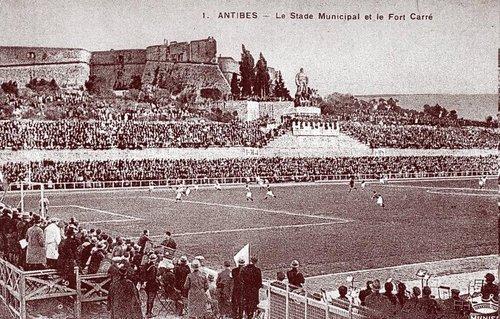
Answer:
(128, 218)
(460, 194)
(284, 212)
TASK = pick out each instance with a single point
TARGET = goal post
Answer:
(41, 201)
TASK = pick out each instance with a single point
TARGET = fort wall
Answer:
(118, 67)
(228, 66)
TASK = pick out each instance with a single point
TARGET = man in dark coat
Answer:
(237, 295)
(490, 289)
(152, 284)
(123, 299)
(224, 286)
(295, 278)
(251, 279)
(35, 251)
(181, 271)
(171, 292)
(365, 292)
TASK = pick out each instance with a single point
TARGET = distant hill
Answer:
(470, 106)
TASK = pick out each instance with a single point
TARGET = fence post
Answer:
(306, 303)
(78, 301)
(287, 302)
(22, 300)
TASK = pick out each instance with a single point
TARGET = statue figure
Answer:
(301, 80)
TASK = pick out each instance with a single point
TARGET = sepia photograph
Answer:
(230, 159)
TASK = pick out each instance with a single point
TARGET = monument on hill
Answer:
(303, 94)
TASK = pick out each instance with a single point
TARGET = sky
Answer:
(454, 53)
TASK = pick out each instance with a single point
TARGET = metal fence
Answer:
(241, 180)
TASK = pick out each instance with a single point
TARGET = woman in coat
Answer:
(123, 298)
(196, 285)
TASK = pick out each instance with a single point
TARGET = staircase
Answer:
(311, 146)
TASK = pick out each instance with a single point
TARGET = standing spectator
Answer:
(251, 278)
(450, 306)
(35, 252)
(196, 285)
(181, 271)
(52, 241)
(68, 257)
(365, 292)
(343, 294)
(96, 258)
(5, 226)
(123, 298)
(388, 287)
(213, 300)
(379, 305)
(143, 240)
(168, 242)
(152, 284)
(224, 285)
(171, 292)
(489, 290)
(429, 305)
(295, 278)
(401, 294)
(237, 295)
(22, 228)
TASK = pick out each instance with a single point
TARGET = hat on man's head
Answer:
(36, 218)
(375, 285)
(26, 216)
(489, 277)
(241, 262)
(227, 264)
(183, 259)
(53, 220)
(153, 257)
(294, 264)
(199, 257)
(195, 264)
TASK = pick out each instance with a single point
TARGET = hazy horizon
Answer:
(455, 53)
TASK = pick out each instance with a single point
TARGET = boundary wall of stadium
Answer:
(300, 179)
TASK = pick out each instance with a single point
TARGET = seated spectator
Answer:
(429, 305)
(343, 293)
(379, 305)
(388, 287)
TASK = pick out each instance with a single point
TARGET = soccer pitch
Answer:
(324, 226)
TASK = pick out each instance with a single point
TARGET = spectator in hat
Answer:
(68, 257)
(279, 282)
(181, 271)
(251, 278)
(453, 306)
(412, 308)
(224, 285)
(388, 287)
(429, 305)
(6, 225)
(401, 294)
(97, 256)
(295, 278)
(237, 295)
(143, 240)
(365, 292)
(35, 251)
(379, 305)
(168, 282)
(212, 295)
(490, 289)
(52, 240)
(196, 285)
(22, 229)
(152, 284)
(123, 298)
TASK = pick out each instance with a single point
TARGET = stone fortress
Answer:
(193, 63)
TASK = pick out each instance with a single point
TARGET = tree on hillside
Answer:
(280, 90)
(436, 110)
(246, 72)
(262, 78)
(235, 87)
(42, 85)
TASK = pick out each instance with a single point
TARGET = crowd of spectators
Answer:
(132, 265)
(420, 136)
(74, 134)
(274, 169)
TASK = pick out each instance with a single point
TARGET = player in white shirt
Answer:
(482, 182)
(363, 184)
(379, 199)
(151, 187)
(260, 181)
(178, 195)
(217, 185)
(269, 192)
(187, 191)
(249, 193)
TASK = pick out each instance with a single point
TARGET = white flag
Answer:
(244, 254)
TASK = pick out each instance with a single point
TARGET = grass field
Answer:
(323, 226)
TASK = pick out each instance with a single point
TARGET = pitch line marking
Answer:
(128, 218)
(255, 209)
(461, 194)
(400, 266)
(442, 188)
(222, 231)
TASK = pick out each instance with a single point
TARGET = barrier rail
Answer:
(242, 180)
(18, 287)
